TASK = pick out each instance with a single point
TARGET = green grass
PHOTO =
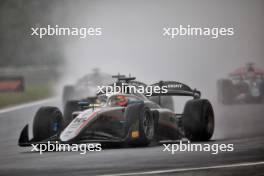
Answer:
(31, 93)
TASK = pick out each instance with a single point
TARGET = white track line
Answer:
(187, 169)
(26, 105)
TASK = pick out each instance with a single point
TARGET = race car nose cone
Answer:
(79, 123)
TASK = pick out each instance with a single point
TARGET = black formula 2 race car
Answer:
(244, 85)
(131, 119)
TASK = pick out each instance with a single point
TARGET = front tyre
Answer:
(146, 126)
(198, 120)
(48, 121)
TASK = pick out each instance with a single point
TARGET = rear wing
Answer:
(176, 89)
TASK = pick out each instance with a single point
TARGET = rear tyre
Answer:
(48, 121)
(198, 120)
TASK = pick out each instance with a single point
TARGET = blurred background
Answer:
(132, 42)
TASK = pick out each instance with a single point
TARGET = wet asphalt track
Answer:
(241, 125)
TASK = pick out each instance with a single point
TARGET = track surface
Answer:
(241, 125)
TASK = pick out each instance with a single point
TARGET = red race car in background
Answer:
(244, 85)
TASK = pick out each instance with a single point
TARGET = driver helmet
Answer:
(120, 100)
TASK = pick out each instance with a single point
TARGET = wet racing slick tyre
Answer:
(198, 120)
(143, 126)
(146, 128)
(47, 122)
